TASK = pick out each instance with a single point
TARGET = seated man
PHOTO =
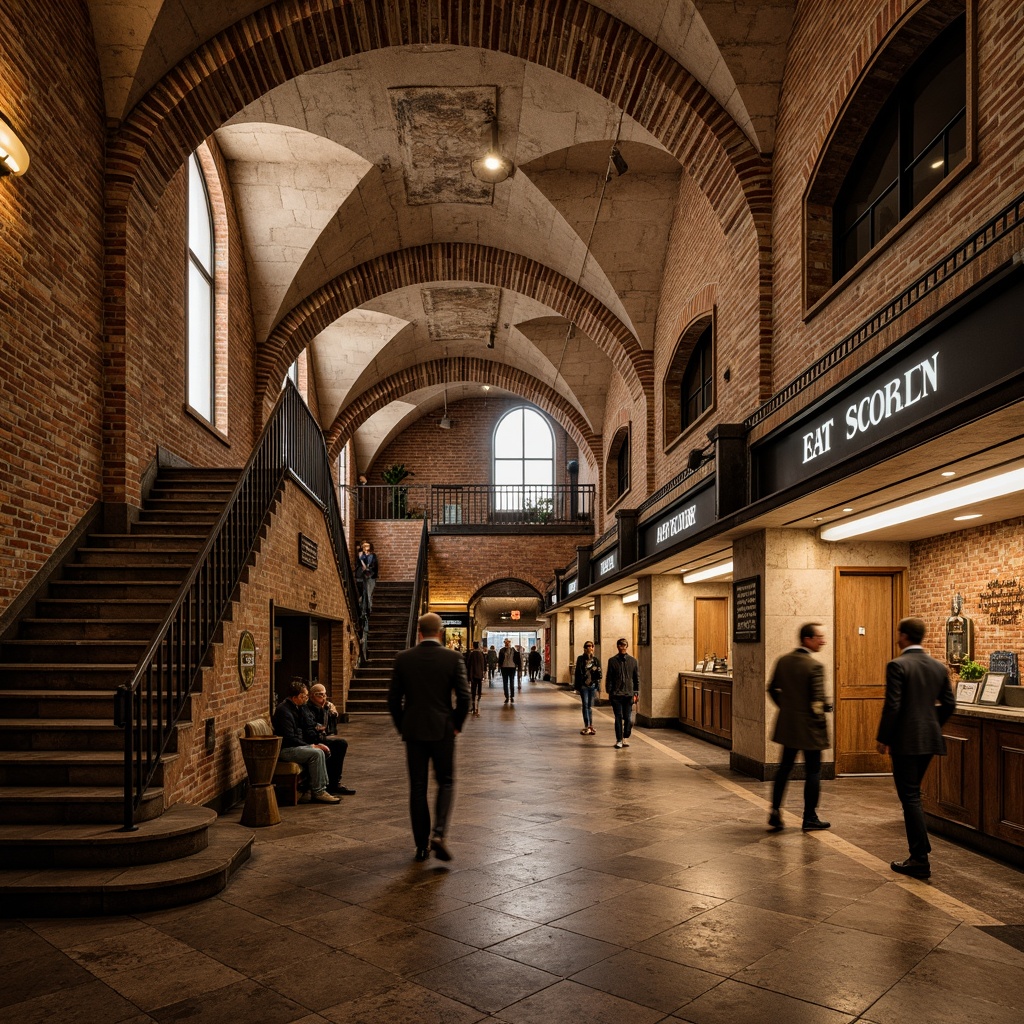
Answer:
(292, 726)
(323, 718)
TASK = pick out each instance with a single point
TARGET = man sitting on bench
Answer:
(291, 725)
(323, 716)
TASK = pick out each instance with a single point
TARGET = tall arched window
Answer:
(689, 387)
(524, 460)
(201, 317)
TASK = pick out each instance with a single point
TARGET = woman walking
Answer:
(586, 678)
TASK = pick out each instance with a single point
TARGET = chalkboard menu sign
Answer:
(1004, 661)
(746, 610)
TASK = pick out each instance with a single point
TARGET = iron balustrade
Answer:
(421, 587)
(149, 706)
(511, 504)
(389, 501)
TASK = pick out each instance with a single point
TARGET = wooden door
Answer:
(710, 627)
(868, 606)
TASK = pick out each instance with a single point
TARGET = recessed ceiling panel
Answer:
(461, 313)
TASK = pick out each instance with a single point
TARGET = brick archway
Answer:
(456, 369)
(451, 261)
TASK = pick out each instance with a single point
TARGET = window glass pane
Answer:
(939, 89)
(508, 471)
(537, 436)
(875, 169)
(200, 229)
(200, 342)
(508, 438)
(538, 471)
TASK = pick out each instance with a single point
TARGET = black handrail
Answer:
(420, 589)
(150, 704)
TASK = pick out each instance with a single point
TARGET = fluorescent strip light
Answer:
(967, 494)
(631, 598)
(712, 572)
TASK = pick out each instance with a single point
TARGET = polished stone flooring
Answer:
(589, 885)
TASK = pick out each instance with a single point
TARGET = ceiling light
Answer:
(948, 472)
(710, 573)
(13, 154)
(487, 387)
(492, 167)
(631, 598)
(847, 509)
(618, 163)
(963, 519)
(966, 494)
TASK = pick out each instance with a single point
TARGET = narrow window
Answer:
(617, 468)
(698, 381)
(201, 319)
(688, 391)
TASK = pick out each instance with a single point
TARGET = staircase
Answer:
(389, 622)
(61, 757)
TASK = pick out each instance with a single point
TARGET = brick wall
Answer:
(197, 777)
(965, 562)
(396, 544)
(51, 373)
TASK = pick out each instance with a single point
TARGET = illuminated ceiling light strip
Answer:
(966, 494)
(710, 573)
(631, 598)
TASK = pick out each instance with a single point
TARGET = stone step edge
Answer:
(175, 821)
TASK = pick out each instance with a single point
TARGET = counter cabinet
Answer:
(705, 706)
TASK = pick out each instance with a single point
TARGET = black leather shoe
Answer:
(422, 854)
(913, 867)
(775, 821)
(441, 852)
(344, 791)
(817, 825)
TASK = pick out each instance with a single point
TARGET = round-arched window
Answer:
(524, 459)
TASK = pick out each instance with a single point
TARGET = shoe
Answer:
(422, 853)
(512, 700)
(618, 746)
(591, 732)
(913, 867)
(305, 796)
(506, 700)
(775, 820)
(584, 732)
(441, 852)
(323, 797)
(625, 743)
(815, 825)
(344, 791)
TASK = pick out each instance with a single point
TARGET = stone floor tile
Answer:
(160, 983)
(420, 903)
(794, 900)
(648, 980)
(50, 971)
(336, 979)
(409, 951)
(486, 981)
(571, 1003)
(347, 926)
(107, 954)
(478, 926)
(541, 903)
(735, 1003)
(91, 1003)
(977, 942)
(244, 1001)
(555, 950)
(405, 1004)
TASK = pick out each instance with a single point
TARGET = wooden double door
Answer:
(869, 603)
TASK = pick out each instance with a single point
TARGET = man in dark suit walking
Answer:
(420, 702)
(918, 701)
(797, 687)
(622, 681)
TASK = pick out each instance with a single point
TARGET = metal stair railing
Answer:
(149, 706)
(420, 588)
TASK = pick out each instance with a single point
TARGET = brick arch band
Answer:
(450, 261)
(284, 39)
(479, 594)
(453, 370)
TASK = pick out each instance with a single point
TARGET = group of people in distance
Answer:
(307, 723)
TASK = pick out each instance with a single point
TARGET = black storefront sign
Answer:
(605, 564)
(569, 588)
(691, 514)
(938, 368)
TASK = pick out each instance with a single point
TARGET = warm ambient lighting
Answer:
(966, 494)
(712, 572)
(631, 598)
(949, 472)
(13, 154)
(963, 519)
(492, 168)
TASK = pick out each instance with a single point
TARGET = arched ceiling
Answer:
(346, 175)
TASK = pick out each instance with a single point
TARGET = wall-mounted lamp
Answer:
(13, 154)
(710, 573)
(698, 456)
(631, 598)
(492, 167)
(618, 162)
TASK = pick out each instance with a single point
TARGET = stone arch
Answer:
(480, 591)
(459, 368)
(450, 261)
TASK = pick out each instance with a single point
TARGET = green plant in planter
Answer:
(398, 497)
(970, 670)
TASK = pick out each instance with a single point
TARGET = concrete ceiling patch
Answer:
(461, 313)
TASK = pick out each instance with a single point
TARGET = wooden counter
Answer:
(705, 706)
(975, 794)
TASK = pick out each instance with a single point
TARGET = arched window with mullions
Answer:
(201, 316)
(689, 384)
(524, 461)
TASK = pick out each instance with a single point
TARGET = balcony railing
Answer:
(390, 501)
(500, 505)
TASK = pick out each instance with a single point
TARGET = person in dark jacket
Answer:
(622, 682)
(323, 719)
(586, 678)
(533, 663)
(797, 687)
(476, 666)
(423, 680)
(292, 725)
(918, 701)
(367, 571)
(509, 662)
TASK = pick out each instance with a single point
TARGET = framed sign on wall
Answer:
(643, 625)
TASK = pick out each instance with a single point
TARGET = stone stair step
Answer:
(204, 505)
(57, 704)
(35, 805)
(83, 609)
(109, 590)
(66, 768)
(182, 526)
(148, 556)
(179, 832)
(73, 652)
(27, 892)
(141, 541)
(64, 734)
(149, 573)
(97, 628)
(23, 675)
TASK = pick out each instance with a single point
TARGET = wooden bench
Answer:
(286, 774)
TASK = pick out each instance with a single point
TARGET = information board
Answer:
(746, 610)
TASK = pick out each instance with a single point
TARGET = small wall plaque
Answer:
(307, 551)
(643, 625)
(246, 659)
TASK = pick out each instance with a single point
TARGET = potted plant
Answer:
(398, 497)
(971, 670)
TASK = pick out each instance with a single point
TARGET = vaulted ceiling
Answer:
(360, 171)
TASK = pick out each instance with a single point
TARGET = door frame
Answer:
(900, 600)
